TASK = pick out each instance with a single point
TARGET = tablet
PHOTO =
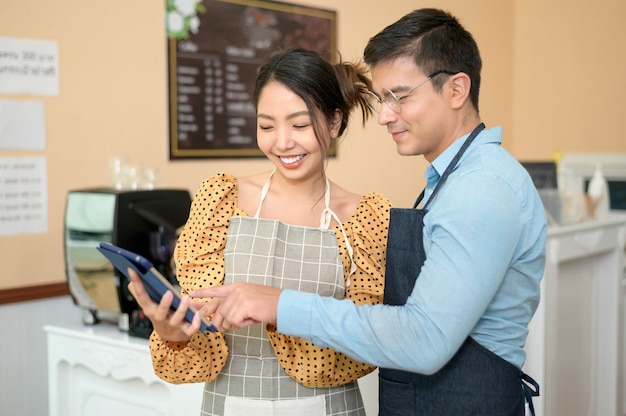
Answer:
(155, 283)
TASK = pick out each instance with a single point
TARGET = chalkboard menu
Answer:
(213, 63)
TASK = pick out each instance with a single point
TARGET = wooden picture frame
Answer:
(214, 52)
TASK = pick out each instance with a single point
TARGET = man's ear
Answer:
(460, 84)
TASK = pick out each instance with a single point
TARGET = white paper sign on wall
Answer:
(29, 66)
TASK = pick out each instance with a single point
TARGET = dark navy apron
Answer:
(475, 381)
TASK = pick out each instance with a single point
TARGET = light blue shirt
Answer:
(484, 238)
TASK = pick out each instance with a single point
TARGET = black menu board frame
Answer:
(212, 69)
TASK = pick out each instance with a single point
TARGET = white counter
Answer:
(575, 345)
(94, 369)
(98, 370)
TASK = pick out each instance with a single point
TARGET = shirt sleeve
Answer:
(199, 263)
(467, 256)
(317, 366)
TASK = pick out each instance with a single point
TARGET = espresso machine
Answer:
(146, 222)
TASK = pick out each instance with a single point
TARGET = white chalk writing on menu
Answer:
(214, 59)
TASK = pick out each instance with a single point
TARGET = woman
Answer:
(289, 228)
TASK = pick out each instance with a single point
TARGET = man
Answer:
(463, 272)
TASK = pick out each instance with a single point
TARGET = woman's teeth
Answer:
(290, 159)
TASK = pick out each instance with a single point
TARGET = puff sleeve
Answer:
(199, 263)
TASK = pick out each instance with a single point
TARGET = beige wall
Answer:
(568, 77)
(548, 70)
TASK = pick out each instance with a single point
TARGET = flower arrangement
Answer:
(182, 18)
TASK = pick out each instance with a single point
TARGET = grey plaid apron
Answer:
(272, 253)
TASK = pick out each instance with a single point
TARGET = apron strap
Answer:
(327, 214)
(264, 191)
(531, 389)
(451, 166)
(325, 220)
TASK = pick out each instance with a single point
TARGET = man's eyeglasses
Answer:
(394, 102)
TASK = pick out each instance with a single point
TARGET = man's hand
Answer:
(239, 305)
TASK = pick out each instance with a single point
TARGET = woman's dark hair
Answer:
(324, 87)
(435, 40)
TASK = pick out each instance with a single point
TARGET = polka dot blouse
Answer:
(200, 263)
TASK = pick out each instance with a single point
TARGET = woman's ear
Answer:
(335, 124)
(460, 84)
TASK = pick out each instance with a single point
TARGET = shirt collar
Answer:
(492, 135)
